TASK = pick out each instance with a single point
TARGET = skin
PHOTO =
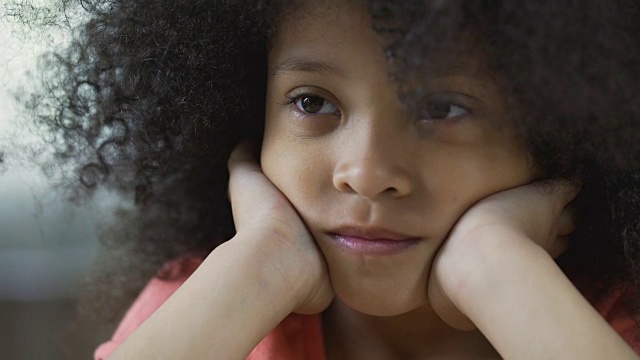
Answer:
(485, 236)
(375, 165)
(380, 167)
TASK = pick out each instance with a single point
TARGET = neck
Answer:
(418, 334)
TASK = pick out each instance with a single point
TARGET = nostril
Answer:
(373, 183)
(392, 191)
(342, 184)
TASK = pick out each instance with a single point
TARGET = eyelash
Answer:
(448, 103)
(294, 98)
(428, 106)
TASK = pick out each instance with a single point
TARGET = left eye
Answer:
(313, 104)
(443, 110)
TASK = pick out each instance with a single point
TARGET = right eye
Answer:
(313, 104)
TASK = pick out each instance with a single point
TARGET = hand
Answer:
(536, 212)
(261, 210)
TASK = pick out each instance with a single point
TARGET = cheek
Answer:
(295, 166)
(274, 153)
(459, 177)
(490, 174)
(297, 172)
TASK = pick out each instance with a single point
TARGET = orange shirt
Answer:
(299, 337)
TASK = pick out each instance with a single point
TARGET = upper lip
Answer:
(371, 233)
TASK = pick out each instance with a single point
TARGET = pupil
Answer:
(439, 110)
(312, 104)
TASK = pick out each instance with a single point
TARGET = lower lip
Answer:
(361, 246)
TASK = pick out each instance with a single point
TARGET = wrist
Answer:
(226, 307)
(287, 265)
(516, 295)
(475, 265)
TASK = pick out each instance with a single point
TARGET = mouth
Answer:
(372, 241)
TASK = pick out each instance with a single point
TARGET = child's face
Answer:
(357, 165)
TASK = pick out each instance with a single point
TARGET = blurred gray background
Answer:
(46, 244)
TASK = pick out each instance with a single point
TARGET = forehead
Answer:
(309, 38)
(312, 37)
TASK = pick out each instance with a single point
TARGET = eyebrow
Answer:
(303, 64)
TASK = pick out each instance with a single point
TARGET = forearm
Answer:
(524, 304)
(222, 311)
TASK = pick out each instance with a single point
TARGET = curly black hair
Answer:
(152, 95)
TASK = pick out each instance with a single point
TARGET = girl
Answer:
(412, 171)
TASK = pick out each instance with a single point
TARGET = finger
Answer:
(242, 154)
(563, 191)
(569, 190)
(241, 164)
(567, 221)
(244, 179)
(559, 246)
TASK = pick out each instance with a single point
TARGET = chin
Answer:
(375, 307)
(381, 300)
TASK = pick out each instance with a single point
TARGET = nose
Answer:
(374, 164)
